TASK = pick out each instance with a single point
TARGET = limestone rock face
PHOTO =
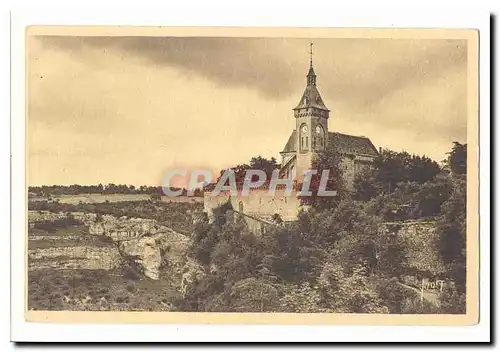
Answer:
(147, 254)
(123, 229)
(153, 247)
(83, 257)
(43, 215)
(158, 250)
(164, 252)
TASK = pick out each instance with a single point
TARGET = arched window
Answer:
(320, 137)
(304, 139)
(240, 207)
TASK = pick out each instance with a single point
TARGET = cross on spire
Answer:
(311, 76)
(311, 54)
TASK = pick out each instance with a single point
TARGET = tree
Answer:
(431, 196)
(353, 293)
(256, 163)
(453, 301)
(266, 165)
(457, 158)
(301, 298)
(393, 295)
(366, 185)
(349, 234)
(452, 232)
(293, 256)
(392, 168)
(395, 167)
(253, 295)
(422, 169)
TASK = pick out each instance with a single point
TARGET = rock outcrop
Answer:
(156, 250)
(82, 257)
(148, 244)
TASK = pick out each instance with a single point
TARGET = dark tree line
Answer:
(256, 163)
(110, 188)
(401, 186)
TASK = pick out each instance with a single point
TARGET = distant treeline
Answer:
(110, 188)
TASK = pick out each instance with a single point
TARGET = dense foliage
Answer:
(255, 163)
(457, 158)
(335, 258)
(401, 186)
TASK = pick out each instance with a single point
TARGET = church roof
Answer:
(344, 143)
(291, 145)
(347, 144)
(311, 98)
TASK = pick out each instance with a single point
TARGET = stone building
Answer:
(310, 136)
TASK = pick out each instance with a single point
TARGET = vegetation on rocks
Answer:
(337, 257)
(175, 215)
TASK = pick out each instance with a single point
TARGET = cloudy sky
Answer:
(125, 109)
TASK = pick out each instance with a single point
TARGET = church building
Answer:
(310, 136)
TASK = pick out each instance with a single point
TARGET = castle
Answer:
(309, 137)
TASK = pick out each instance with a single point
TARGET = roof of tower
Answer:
(311, 71)
(311, 98)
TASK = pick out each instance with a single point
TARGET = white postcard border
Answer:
(383, 14)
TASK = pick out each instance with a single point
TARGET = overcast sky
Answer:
(125, 109)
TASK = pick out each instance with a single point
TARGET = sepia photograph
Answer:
(316, 176)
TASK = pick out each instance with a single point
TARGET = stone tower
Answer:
(311, 117)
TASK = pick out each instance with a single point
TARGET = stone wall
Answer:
(258, 203)
(420, 240)
(352, 165)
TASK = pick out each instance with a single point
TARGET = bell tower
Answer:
(311, 117)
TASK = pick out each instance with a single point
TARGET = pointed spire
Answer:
(310, 55)
(311, 96)
(311, 76)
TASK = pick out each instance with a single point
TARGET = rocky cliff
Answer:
(154, 249)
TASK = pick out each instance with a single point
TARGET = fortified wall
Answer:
(258, 203)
